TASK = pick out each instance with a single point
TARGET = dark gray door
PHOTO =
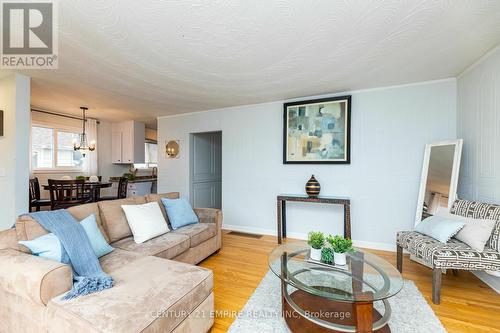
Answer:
(206, 170)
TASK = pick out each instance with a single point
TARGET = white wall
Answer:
(478, 123)
(14, 148)
(106, 167)
(390, 127)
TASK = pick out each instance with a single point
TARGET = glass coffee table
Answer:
(317, 297)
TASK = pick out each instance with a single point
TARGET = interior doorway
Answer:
(205, 168)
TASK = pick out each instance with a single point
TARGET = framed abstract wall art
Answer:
(317, 131)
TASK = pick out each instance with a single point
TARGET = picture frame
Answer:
(317, 131)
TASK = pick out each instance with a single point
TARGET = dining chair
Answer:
(121, 193)
(35, 200)
(67, 193)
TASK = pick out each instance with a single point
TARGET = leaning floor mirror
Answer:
(439, 181)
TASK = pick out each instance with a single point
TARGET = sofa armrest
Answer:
(211, 215)
(33, 278)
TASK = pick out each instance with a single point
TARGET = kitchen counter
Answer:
(139, 179)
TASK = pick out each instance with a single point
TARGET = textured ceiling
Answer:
(142, 59)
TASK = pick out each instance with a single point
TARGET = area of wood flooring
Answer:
(467, 304)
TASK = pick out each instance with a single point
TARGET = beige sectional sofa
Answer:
(157, 287)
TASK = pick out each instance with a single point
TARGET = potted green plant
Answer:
(80, 177)
(327, 255)
(316, 240)
(340, 247)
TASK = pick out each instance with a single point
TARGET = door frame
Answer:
(191, 167)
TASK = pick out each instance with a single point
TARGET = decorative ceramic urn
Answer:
(313, 187)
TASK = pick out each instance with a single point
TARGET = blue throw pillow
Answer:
(97, 240)
(179, 211)
(439, 228)
(48, 246)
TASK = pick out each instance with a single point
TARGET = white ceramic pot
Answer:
(316, 254)
(339, 259)
(93, 179)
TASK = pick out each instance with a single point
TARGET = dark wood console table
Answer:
(283, 198)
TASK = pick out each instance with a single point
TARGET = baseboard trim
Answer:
(303, 236)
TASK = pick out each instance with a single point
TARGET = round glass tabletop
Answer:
(366, 277)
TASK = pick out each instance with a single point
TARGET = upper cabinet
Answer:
(127, 142)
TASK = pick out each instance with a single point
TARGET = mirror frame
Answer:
(452, 196)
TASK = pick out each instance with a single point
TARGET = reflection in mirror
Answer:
(437, 188)
(439, 178)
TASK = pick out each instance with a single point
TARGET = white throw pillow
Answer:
(475, 232)
(146, 221)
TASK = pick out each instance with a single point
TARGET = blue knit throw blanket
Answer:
(76, 250)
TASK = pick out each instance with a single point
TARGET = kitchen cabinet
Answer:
(127, 142)
(139, 189)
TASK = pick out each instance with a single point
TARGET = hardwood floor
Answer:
(467, 304)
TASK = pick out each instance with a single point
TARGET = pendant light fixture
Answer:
(83, 146)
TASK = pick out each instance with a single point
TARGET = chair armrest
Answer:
(211, 215)
(33, 278)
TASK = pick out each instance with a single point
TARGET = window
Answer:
(53, 149)
(150, 158)
(151, 150)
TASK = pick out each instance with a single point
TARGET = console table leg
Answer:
(347, 221)
(278, 219)
(283, 214)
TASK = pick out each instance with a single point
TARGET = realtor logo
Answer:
(28, 35)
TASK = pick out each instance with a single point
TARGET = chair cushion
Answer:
(166, 246)
(439, 228)
(151, 292)
(480, 210)
(453, 255)
(114, 219)
(198, 232)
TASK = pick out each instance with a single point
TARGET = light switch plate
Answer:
(2, 172)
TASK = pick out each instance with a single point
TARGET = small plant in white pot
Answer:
(316, 240)
(340, 246)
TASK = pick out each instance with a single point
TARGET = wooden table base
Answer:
(342, 313)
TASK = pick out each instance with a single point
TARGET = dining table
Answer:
(94, 187)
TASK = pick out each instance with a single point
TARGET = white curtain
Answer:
(90, 162)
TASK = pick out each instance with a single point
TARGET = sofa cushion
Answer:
(153, 197)
(27, 228)
(453, 255)
(8, 239)
(114, 219)
(83, 211)
(117, 259)
(33, 278)
(480, 210)
(198, 232)
(146, 221)
(151, 292)
(166, 246)
(180, 213)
